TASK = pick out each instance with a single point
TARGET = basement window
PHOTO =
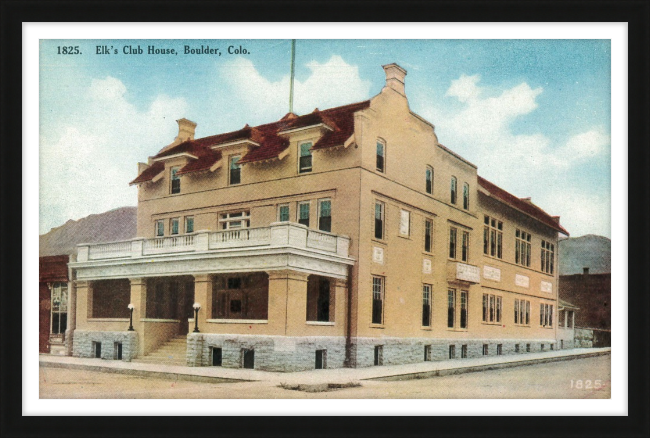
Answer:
(216, 357)
(486, 350)
(463, 351)
(499, 349)
(379, 355)
(452, 352)
(321, 359)
(117, 351)
(97, 350)
(427, 353)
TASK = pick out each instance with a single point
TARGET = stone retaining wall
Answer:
(84, 344)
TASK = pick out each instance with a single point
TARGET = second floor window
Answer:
(522, 248)
(176, 180)
(283, 213)
(548, 256)
(173, 225)
(160, 228)
(303, 213)
(235, 170)
(464, 256)
(426, 305)
(381, 154)
(428, 234)
(466, 196)
(305, 158)
(379, 220)
(377, 300)
(429, 180)
(453, 232)
(235, 220)
(492, 237)
(454, 188)
(189, 224)
(325, 215)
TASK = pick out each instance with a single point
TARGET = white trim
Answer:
(234, 143)
(304, 128)
(216, 165)
(158, 320)
(237, 321)
(108, 319)
(325, 323)
(158, 177)
(169, 157)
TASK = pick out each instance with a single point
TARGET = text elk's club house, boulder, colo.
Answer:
(347, 237)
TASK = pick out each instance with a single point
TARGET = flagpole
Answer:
(293, 63)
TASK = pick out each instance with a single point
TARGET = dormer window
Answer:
(235, 170)
(305, 158)
(176, 180)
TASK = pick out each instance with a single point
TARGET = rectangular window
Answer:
(463, 351)
(235, 170)
(522, 248)
(465, 247)
(97, 350)
(160, 228)
(541, 314)
(492, 237)
(173, 225)
(283, 213)
(428, 234)
(321, 359)
(248, 358)
(516, 348)
(451, 307)
(547, 257)
(176, 180)
(325, 215)
(381, 153)
(377, 300)
(426, 305)
(452, 352)
(466, 196)
(499, 308)
(463, 309)
(235, 220)
(303, 213)
(522, 312)
(516, 311)
(59, 308)
(546, 315)
(454, 184)
(379, 220)
(117, 351)
(452, 242)
(305, 158)
(485, 350)
(499, 349)
(485, 307)
(189, 224)
(216, 357)
(427, 353)
(493, 308)
(429, 180)
(405, 223)
(527, 312)
(379, 355)
(527, 348)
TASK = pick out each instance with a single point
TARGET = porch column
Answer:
(139, 301)
(573, 319)
(287, 302)
(566, 318)
(72, 317)
(203, 296)
(84, 302)
(340, 302)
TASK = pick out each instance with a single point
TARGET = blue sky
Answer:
(533, 115)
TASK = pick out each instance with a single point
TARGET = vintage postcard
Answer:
(311, 219)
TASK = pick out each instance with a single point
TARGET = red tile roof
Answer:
(53, 268)
(526, 207)
(340, 119)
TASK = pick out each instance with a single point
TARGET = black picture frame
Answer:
(635, 13)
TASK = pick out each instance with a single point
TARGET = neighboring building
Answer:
(54, 324)
(344, 237)
(566, 322)
(592, 293)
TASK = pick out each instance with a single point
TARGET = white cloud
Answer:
(528, 164)
(88, 161)
(330, 84)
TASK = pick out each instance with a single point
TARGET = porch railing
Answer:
(279, 234)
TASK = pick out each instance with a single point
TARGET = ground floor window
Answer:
(59, 308)
(320, 299)
(377, 300)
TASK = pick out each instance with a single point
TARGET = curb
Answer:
(478, 368)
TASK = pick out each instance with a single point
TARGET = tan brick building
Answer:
(344, 237)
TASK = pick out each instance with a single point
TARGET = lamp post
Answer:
(196, 307)
(130, 306)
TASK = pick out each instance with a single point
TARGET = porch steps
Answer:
(171, 352)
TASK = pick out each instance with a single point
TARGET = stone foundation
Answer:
(84, 344)
(272, 353)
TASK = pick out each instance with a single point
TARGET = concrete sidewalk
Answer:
(319, 377)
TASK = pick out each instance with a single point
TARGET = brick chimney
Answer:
(395, 78)
(186, 130)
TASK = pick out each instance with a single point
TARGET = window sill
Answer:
(426, 328)
(383, 242)
(325, 323)
(454, 329)
(377, 326)
(108, 319)
(158, 320)
(408, 237)
(237, 321)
